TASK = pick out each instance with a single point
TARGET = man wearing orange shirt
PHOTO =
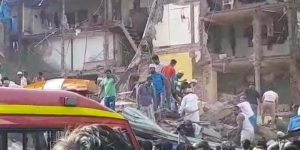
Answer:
(169, 72)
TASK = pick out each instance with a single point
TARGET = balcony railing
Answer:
(224, 5)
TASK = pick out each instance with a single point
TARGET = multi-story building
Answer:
(97, 34)
(232, 43)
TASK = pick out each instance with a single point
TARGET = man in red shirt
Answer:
(169, 70)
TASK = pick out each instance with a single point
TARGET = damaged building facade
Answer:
(232, 43)
(90, 35)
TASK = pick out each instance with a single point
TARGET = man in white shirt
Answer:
(189, 106)
(156, 61)
(23, 82)
(7, 83)
(269, 106)
(244, 127)
(245, 107)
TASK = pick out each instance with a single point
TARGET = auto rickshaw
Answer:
(83, 87)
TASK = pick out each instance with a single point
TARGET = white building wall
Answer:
(85, 49)
(175, 27)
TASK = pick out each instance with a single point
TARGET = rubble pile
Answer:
(221, 116)
(217, 120)
(147, 129)
(220, 109)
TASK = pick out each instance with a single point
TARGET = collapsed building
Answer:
(224, 44)
(228, 44)
(72, 36)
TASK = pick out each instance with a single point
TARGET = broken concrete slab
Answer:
(267, 133)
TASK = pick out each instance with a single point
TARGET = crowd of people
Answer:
(22, 80)
(252, 108)
(166, 90)
(92, 137)
(163, 90)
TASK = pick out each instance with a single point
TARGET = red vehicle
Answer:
(35, 119)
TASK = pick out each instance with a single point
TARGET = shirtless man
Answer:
(245, 128)
(269, 106)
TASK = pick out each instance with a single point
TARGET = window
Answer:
(71, 19)
(29, 140)
(44, 139)
(82, 15)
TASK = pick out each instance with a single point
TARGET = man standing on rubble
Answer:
(270, 103)
(169, 72)
(108, 86)
(253, 98)
(245, 107)
(245, 128)
(189, 106)
(178, 83)
(156, 61)
(145, 98)
(158, 81)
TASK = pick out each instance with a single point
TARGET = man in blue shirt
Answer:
(158, 81)
(14, 33)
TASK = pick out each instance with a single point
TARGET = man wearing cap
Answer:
(177, 83)
(25, 80)
(146, 97)
(20, 75)
(158, 81)
(189, 106)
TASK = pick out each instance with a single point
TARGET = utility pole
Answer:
(106, 49)
(257, 48)
(192, 18)
(63, 71)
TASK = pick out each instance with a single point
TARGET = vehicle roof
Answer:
(15, 101)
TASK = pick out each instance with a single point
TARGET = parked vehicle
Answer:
(35, 119)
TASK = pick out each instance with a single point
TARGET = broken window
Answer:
(274, 31)
(71, 19)
(82, 15)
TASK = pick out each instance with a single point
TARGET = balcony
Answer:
(228, 11)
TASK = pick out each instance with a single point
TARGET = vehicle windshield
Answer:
(44, 139)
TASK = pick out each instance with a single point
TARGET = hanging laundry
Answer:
(248, 32)
(4, 14)
(43, 18)
(4, 10)
(232, 39)
(56, 20)
(14, 24)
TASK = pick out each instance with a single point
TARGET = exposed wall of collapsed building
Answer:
(85, 24)
(236, 39)
(229, 38)
(232, 56)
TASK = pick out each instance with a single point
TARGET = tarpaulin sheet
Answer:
(143, 125)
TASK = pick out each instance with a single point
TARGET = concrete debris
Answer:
(221, 115)
(218, 122)
(147, 129)
(217, 111)
(227, 98)
(267, 133)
